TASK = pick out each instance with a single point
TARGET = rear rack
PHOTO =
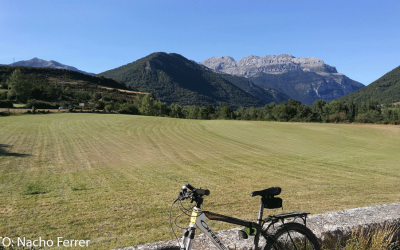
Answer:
(289, 215)
(281, 217)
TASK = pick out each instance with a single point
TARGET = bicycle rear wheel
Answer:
(292, 236)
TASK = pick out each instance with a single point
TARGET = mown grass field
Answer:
(111, 178)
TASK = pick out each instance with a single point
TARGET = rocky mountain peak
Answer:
(219, 62)
(285, 56)
(304, 79)
(271, 64)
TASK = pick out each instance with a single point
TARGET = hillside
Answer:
(303, 79)
(174, 79)
(265, 94)
(47, 73)
(384, 90)
(65, 87)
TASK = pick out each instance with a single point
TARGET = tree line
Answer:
(29, 90)
(290, 111)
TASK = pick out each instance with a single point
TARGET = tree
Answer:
(96, 96)
(318, 109)
(203, 113)
(352, 109)
(20, 86)
(226, 112)
(192, 112)
(108, 108)
(82, 95)
(175, 111)
(282, 112)
(335, 107)
(67, 91)
(146, 105)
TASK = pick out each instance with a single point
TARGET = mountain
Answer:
(174, 79)
(39, 63)
(264, 94)
(384, 90)
(304, 79)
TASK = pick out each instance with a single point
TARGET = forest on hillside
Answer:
(39, 93)
(50, 88)
(385, 90)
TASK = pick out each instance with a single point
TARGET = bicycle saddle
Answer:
(267, 192)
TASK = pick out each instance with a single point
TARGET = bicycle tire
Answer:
(169, 248)
(292, 236)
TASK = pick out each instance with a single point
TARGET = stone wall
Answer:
(334, 224)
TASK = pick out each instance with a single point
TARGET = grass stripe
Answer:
(111, 178)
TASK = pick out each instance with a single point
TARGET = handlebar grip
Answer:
(190, 186)
(202, 191)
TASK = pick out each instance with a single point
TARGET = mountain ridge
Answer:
(40, 63)
(303, 79)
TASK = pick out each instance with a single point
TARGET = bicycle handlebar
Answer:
(190, 186)
(198, 191)
(202, 191)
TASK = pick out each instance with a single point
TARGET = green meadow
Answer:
(111, 178)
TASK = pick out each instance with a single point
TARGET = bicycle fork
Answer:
(187, 235)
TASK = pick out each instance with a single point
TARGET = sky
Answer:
(360, 38)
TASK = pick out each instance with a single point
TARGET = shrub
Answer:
(6, 104)
(128, 109)
(396, 122)
(339, 117)
(99, 105)
(41, 104)
(3, 95)
(361, 118)
(371, 116)
(108, 108)
(380, 238)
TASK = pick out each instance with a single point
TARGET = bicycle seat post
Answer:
(260, 212)
(259, 221)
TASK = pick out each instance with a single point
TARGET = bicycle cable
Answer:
(170, 222)
(187, 211)
(176, 224)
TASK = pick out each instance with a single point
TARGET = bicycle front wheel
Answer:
(292, 236)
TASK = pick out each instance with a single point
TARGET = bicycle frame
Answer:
(198, 220)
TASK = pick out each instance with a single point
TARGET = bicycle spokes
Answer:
(293, 240)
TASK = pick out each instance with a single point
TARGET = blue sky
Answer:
(360, 38)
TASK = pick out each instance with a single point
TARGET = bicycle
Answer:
(292, 235)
